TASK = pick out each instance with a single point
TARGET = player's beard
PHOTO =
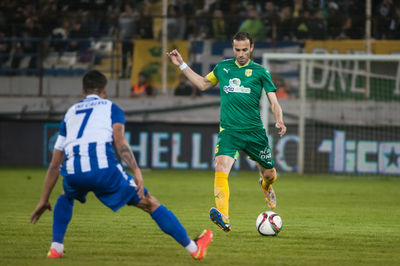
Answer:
(243, 60)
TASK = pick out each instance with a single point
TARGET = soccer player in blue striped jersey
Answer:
(85, 157)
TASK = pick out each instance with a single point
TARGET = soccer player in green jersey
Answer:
(241, 83)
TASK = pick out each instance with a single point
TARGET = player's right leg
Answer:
(220, 214)
(61, 218)
(63, 211)
(169, 224)
(229, 143)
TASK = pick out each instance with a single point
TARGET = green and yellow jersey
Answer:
(240, 89)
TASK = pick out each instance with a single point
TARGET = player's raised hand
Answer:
(175, 57)
(39, 210)
(281, 128)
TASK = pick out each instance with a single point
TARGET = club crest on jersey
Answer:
(234, 86)
(248, 72)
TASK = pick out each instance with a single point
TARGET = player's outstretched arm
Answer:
(125, 152)
(200, 82)
(50, 180)
(277, 111)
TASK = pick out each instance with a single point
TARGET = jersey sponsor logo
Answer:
(226, 70)
(234, 86)
(248, 72)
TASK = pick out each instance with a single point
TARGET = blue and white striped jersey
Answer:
(86, 135)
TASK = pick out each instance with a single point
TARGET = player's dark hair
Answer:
(94, 82)
(242, 36)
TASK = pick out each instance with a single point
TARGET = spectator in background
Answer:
(282, 3)
(317, 26)
(60, 35)
(48, 17)
(155, 9)
(282, 87)
(298, 8)
(301, 31)
(270, 19)
(335, 21)
(347, 29)
(175, 23)
(233, 18)
(5, 46)
(354, 27)
(145, 23)
(186, 10)
(253, 25)
(98, 14)
(26, 10)
(185, 88)
(128, 21)
(383, 19)
(76, 36)
(219, 4)
(28, 46)
(142, 87)
(281, 93)
(8, 10)
(203, 24)
(394, 33)
(285, 24)
(218, 26)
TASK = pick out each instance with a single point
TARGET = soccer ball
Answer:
(269, 223)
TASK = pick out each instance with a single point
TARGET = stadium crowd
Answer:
(216, 19)
(65, 25)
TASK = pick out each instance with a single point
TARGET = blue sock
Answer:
(170, 225)
(62, 216)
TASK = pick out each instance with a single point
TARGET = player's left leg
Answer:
(169, 224)
(268, 177)
(125, 192)
(258, 149)
(61, 218)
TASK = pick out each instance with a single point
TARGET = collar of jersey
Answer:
(93, 96)
(239, 66)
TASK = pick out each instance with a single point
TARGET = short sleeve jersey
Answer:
(86, 135)
(240, 89)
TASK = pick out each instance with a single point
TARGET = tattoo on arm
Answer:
(126, 154)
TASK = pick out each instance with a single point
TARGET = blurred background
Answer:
(352, 123)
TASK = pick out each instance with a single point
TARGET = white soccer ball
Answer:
(269, 223)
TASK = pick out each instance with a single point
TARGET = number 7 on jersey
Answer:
(87, 113)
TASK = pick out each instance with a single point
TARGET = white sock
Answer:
(58, 246)
(192, 247)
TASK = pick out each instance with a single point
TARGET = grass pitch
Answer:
(327, 220)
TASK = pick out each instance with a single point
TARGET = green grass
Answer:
(327, 220)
